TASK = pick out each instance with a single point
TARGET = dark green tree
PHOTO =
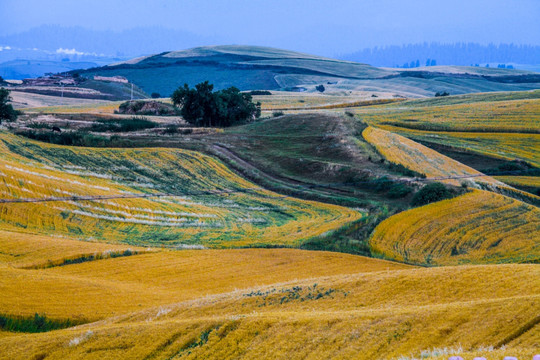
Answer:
(204, 107)
(6, 110)
(320, 88)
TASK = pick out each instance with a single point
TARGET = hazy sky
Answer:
(324, 27)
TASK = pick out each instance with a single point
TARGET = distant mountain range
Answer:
(52, 48)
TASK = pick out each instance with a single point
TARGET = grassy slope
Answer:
(478, 227)
(364, 316)
(248, 216)
(317, 153)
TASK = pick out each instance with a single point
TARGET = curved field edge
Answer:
(383, 315)
(414, 156)
(479, 227)
(209, 204)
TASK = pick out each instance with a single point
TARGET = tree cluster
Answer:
(202, 106)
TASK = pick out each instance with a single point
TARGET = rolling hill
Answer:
(145, 250)
(252, 67)
(367, 314)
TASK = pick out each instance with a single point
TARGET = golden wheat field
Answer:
(507, 146)
(520, 116)
(36, 278)
(478, 227)
(532, 181)
(375, 315)
(166, 253)
(208, 204)
(400, 150)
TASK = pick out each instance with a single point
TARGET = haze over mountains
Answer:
(54, 48)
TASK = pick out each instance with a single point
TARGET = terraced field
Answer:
(502, 126)
(478, 227)
(209, 205)
(365, 315)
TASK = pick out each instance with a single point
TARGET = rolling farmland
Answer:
(363, 315)
(198, 243)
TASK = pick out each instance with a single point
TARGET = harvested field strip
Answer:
(511, 146)
(517, 116)
(528, 181)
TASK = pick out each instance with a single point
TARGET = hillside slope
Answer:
(200, 201)
(254, 67)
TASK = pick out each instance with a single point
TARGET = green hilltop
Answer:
(255, 67)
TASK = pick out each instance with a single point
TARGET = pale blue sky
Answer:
(317, 26)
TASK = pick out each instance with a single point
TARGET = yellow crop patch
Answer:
(412, 155)
(380, 315)
(478, 227)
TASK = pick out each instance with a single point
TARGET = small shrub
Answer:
(431, 193)
(144, 107)
(171, 129)
(277, 113)
(320, 88)
(123, 125)
(35, 324)
(260, 92)
(39, 125)
(399, 191)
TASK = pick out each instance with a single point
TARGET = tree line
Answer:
(446, 54)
